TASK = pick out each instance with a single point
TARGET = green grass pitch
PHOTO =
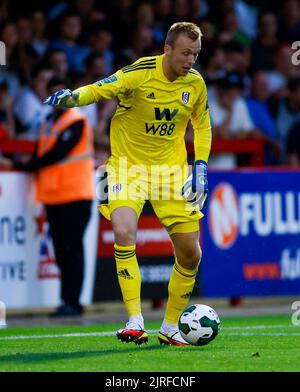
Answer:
(246, 344)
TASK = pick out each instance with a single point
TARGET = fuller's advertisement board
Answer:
(251, 234)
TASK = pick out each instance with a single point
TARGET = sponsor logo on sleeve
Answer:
(109, 79)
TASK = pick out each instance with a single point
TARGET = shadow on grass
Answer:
(55, 356)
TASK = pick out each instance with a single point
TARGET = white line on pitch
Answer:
(152, 331)
(262, 334)
(63, 335)
(259, 326)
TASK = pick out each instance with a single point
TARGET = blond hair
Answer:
(187, 28)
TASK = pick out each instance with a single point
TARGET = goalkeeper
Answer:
(157, 96)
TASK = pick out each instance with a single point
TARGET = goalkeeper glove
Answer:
(195, 188)
(64, 98)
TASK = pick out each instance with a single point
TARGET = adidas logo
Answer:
(187, 295)
(125, 274)
(151, 96)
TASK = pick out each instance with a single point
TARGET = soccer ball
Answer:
(199, 324)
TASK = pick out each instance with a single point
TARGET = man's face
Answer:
(71, 27)
(59, 62)
(40, 81)
(183, 54)
(227, 96)
(260, 86)
(97, 68)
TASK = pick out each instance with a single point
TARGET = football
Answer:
(199, 324)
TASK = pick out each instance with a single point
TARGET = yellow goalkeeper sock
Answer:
(129, 278)
(180, 288)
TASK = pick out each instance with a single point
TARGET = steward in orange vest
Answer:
(64, 166)
(71, 178)
(64, 159)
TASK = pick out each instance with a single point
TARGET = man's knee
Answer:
(125, 234)
(124, 223)
(189, 256)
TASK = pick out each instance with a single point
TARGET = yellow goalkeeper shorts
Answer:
(131, 187)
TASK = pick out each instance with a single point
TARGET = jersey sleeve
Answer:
(202, 128)
(108, 88)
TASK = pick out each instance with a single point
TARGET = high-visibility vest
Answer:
(70, 179)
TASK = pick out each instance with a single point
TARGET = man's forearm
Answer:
(87, 94)
(202, 144)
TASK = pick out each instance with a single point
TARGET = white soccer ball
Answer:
(199, 324)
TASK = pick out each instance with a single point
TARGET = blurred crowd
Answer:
(246, 61)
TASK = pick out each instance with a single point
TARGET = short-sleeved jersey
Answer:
(152, 115)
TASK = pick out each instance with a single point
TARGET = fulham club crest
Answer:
(117, 188)
(185, 97)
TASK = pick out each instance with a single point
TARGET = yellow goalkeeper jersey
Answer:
(150, 122)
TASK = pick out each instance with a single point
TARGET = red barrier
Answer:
(10, 146)
(152, 239)
(253, 147)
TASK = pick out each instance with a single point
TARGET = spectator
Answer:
(283, 70)
(70, 30)
(293, 146)
(88, 12)
(29, 109)
(213, 65)
(261, 116)
(95, 68)
(100, 40)
(265, 44)
(38, 24)
(144, 14)
(24, 31)
(12, 81)
(23, 56)
(99, 114)
(57, 61)
(208, 30)
(287, 113)
(56, 10)
(23, 62)
(141, 43)
(230, 30)
(199, 9)
(181, 10)
(163, 18)
(283, 63)
(290, 23)
(163, 12)
(9, 35)
(121, 18)
(7, 124)
(246, 16)
(237, 59)
(229, 116)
